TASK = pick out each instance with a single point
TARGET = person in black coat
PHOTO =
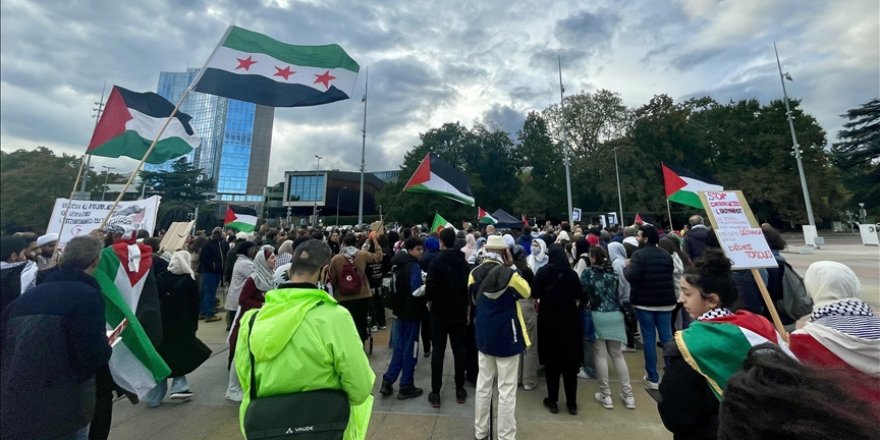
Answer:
(180, 348)
(446, 288)
(652, 293)
(558, 288)
(688, 408)
(211, 260)
(54, 342)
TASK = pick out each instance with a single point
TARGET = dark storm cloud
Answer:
(593, 30)
(505, 118)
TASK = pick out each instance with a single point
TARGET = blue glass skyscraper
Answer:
(236, 139)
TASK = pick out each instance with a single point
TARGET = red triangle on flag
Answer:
(638, 219)
(671, 181)
(113, 119)
(422, 174)
(525, 220)
(481, 212)
(230, 215)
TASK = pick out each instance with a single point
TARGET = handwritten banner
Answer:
(737, 230)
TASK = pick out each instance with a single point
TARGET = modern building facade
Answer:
(331, 191)
(236, 140)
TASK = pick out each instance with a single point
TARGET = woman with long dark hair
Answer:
(557, 286)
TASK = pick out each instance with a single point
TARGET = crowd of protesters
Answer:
(558, 302)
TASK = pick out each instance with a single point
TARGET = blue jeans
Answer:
(82, 434)
(157, 394)
(405, 352)
(210, 282)
(651, 323)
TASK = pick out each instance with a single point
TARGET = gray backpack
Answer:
(795, 302)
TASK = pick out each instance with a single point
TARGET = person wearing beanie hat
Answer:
(843, 331)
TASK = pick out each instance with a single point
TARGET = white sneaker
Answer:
(628, 400)
(583, 374)
(650, 385)
(529, 387)
(628, 349)
(604, 400)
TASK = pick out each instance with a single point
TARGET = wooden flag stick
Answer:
(82, 165)
(669, 213)
(180, 101)
(777, 322)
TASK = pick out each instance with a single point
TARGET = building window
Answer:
(306, 188)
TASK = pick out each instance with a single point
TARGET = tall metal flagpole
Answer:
(566, 159)
(363, 150)
(180, 101)
(797, 148)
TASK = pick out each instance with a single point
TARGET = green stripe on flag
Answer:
(134, 336)
(331, 56)
(241, 227)
(686, 198)
(715, 350)
(131, 144)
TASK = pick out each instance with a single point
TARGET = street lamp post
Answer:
(106, 178)
(337, 204)
(619, 196)
(317, 176)
(810, 234)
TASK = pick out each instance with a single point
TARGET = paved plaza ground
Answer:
(209, 416)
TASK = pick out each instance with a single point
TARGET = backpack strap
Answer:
(253, 390)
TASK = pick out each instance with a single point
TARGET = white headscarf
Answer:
(562, 236)
(264, 276)
(470, 247)
(537, 259)
(830, 281)
(180, 264)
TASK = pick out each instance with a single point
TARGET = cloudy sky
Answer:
(434, 62)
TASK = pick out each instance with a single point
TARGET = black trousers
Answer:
(426, 333)
(359, 309)
(569, 380)
(455, 332)
(631, 323)
(471, 358)
(377, 307)
(104, 386)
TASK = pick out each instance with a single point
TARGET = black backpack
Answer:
(795, 302)
(10, 284)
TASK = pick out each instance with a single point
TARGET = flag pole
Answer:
(669, 213)
(180, 101)
(82, 164)
(769, 303)
(363, 151)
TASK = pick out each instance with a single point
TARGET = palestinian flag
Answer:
(131, 121)
(122, 274)
(436, 176)
(716, 348)
(525, 220)
(638, 220)
(255, 68)
(682, 186)
(240, 218)
(440, 224)
(484, 217)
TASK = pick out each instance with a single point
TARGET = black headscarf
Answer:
(582, 246)
(556, 258)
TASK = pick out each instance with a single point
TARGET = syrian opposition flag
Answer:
(485, 217)
(440, 223)
(255, 68)
(436, 176)
(122, 274)
(682, 186)
(716, 348)
(131, 121)
(240, 218)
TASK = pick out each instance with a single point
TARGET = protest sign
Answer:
(175, 237)
(738, 232)
(84, 216)
(742, 240)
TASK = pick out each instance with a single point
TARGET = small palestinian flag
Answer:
(123, 273)
(253, 67)
(717, 347)
(436, 176)
(638, 220)
(240, 218)
(440, 224)
(131, 121)
(525, 220)
(682, 186)
(484, 217)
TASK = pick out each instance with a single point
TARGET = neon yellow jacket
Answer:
(302, 341)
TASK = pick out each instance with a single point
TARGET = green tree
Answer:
(30, 181)
(542, 173)
(857, 154)
(182, 189)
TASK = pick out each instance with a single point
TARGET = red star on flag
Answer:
(245, 63)
(285, 72)
(324, 78)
